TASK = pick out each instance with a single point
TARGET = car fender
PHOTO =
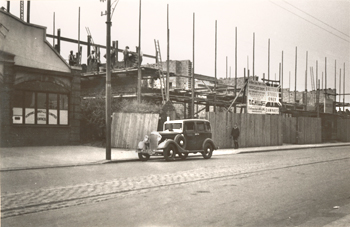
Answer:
(209, 140)
(167, 142)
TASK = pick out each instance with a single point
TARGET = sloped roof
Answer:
(29, 45)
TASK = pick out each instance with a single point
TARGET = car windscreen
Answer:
(172, 126)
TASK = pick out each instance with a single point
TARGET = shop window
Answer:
(29, 105)
(40, 108)
(17, 117)
(64, 109)
(53, 108)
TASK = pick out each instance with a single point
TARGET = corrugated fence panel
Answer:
(130, 128)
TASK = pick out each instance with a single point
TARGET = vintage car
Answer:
(178, 139)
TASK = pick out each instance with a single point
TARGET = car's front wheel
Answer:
(207, 151)
(169, 152)
(143, 157)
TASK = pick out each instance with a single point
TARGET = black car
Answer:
(178, 139)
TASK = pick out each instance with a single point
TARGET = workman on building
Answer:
(91, 58)
(235, 135)
(126, 56)
(71, 58)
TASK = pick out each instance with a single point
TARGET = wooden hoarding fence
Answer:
(130, 128)
(302, 130)
(255, 130)
(343, 130)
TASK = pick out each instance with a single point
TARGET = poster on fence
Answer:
(262, 99)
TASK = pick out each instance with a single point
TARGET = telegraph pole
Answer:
(108, 83)
(192, 79)
(139, 74)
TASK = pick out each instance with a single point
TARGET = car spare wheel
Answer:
(169, 152)
(181, 141)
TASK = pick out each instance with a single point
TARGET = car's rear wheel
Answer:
(183, 156)
(169, 152)
(143, 157)
(208, 151)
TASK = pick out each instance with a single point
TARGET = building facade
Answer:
(40, 92)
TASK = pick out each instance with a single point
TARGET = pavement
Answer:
(27, 158)
(22, 158)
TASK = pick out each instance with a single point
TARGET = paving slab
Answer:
(16, 158)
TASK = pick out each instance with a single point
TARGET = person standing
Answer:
(235, 135)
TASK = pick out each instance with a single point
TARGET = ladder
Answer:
(160, 70)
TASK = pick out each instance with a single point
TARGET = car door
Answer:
(189, 133)
(201, 134)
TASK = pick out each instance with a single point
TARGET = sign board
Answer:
(262, 99)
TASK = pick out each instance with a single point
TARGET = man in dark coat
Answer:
(235, 135)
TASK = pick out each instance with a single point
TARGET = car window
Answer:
(173, 126)
(189, 126)
(207, 127)
(200, 126)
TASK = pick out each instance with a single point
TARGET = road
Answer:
(282, 188)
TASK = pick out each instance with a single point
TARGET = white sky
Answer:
(321, 27)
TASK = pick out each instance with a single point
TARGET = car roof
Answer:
(186, 120)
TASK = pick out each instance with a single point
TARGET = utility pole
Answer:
(108, 83)
(235, 109)
(344, 89)
(306, 82)
(268, 62)
(193, 85)
(295, 86)
(282, 79)
(139, 76)
(168, 56)
(215, 66)
(253, 56)
(226, 67)
(28, 11)
(53, 32)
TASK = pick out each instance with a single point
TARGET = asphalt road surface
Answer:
(283, 188)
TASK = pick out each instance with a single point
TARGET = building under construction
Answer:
(169, 82)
